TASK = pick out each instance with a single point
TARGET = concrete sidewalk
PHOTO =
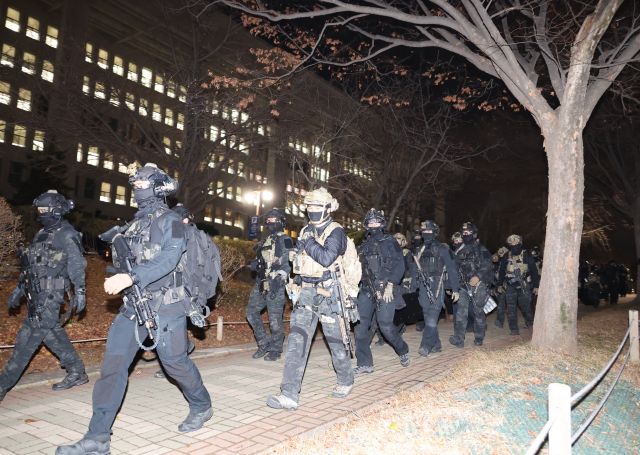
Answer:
(34, 419)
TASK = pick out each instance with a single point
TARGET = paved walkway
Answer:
(34, 419)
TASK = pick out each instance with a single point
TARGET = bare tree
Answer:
(10, 234)
(524, 44)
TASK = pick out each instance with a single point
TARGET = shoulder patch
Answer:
(177, 229)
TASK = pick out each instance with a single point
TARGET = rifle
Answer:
(29, 282)
(368, 279)
(425, 282)
(122, 262)
(348, 311)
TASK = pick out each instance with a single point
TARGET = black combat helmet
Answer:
(51, 207)
(275, 219)
(374, 216)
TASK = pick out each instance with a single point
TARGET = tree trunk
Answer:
(556, 315)
(636, 237)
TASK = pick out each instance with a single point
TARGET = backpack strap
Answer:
(328, 230)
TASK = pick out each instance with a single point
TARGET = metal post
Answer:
(560, 414)
(634, 344)
(219, 331)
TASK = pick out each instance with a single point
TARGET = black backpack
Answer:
(200, 265)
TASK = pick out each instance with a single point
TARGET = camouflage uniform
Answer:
(272, 267)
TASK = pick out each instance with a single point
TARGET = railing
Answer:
(558, 426)
(218, 324)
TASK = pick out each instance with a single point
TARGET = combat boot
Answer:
(261, 352)
(282, 402)
(272, 356)
(195, 420)
(72, 379)
(341, 391)
(85, 447)
(456, 341)
(404, 360)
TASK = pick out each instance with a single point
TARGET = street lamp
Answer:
(257, 197)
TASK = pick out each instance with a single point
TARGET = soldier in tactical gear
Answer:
(320, 245)
(50, 265)
(498, 292)
(432, 264)
(156, 239)
(476, 277)
(272, 271)
(518, 278)
(382, 272)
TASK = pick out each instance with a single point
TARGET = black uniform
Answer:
(382, 263)
(55, 261)
(436, 264)
(473, 259)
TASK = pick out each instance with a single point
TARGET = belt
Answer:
(320, 284)
(51, 284)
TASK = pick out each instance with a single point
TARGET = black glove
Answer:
(300, 244)
(253, 265)
(15, 297)
(79, 300)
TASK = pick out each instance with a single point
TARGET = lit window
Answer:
(79, 153)
(230, 169)
(130, 101)
(218, 218)
(98, 91)
(261, 130)
(159, 84)
(132, 202)
(207, 213)
(171, 89)
(146, 77)
(243, 147)
(142, 107)
(47, 71)
(3, 128)
(38, 140)
(228, 217)
(33, 28)
(93, 156)
(8, 55)
(168, 117)
(103, 59)
(241, 169)
(28, 63)
(132, 73)
(13, 20)
(121, 195)
(238, 194)
(239, 223)
(19, 135)
(24, 99)
(183, 94)
(180, 122)
(123, 168)
(86, 89)
(157, 114)
(229, 194)
(105, 192)
(215, 107)
(88, 52)
(118, 65)
(214, 133)
(166, 142)
(235, 116)
(107, 162)
(52, 37)
(244, 117)
(114, 99)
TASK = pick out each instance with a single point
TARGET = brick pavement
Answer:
(34, 419)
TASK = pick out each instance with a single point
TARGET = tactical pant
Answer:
(518, 297)
(273, 302)
(384, 312)
(502, 307)
(304, 320)
(472, 303)
(121, 349)
(431, 311)
(33, 333)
